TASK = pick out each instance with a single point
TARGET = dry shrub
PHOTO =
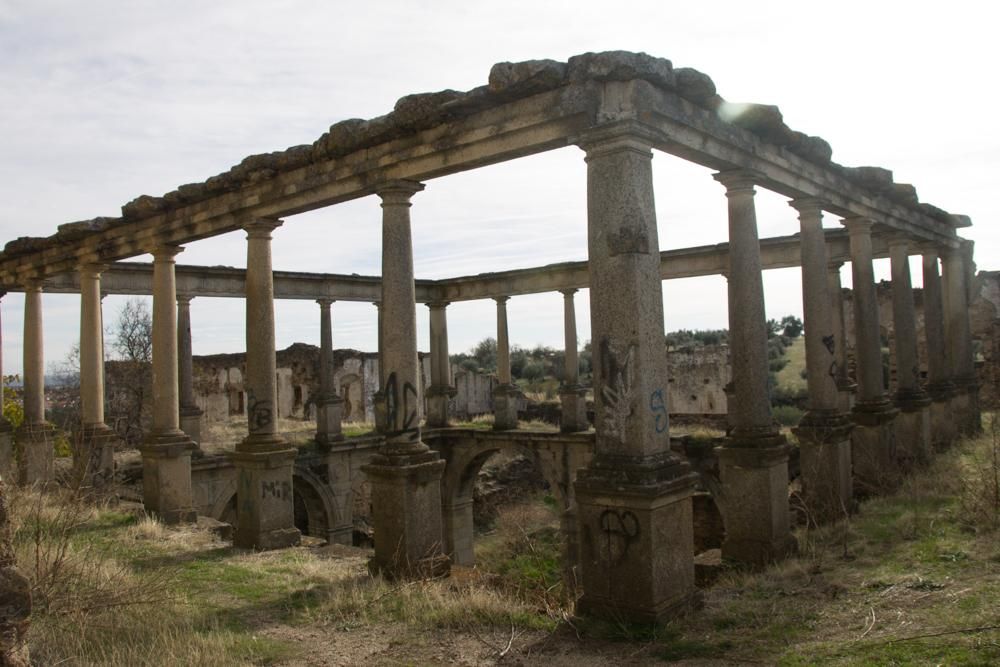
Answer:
(980, 481)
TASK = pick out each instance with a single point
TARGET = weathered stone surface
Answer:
(73, 231)
(526, 78)
(874, 178)
(423, 110)
(25, 244)
(814, 149)
(695, 86)
(764, 120)
(904, 192)
(143, 206)
(621, 66)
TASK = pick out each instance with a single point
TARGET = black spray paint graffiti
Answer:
(830, 343)
(401, 415)
(279, 490)
(621, 529)
(260, 414)
(659, 408)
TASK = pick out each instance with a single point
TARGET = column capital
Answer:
(501, 300)
(834, 267)
(738, 181)
(859, 226)
(434, 305)
(261, 228)
(165, 252)
(91, 269)
(929, 249)
(377, 304)
(808, 205)
(32, 284)
(899, 240)
(184, 299)
(624, 136)
(398, 192)
(325, 302)
(569, 292)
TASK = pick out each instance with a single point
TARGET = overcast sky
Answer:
(103, 101)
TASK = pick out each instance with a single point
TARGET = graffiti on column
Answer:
(830, 343)
(659, 409)
(260, 413)
(620, 529)
(279, 490)
(617, 391)
(402, 414)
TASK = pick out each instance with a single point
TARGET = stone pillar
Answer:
(824, 432)
(265, 517)
(939, 385)
(190, 413)
(873, 439)
(753, 464)
(913, 424)
(440, 391)
(572, 396)
(8, 465)
(506, 394)
(94, 442)
(378, 398)
(634, 497)
(964, 402)
(35, 437)
(329, 406)
(846, 387)
(166, 453)
(405, 475)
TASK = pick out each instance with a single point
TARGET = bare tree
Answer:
(129, 376)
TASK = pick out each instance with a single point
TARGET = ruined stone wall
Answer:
(698, 377)
(984, 316)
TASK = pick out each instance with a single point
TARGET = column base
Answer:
(754, 502)
(191, 422)
(406, 513)
(505, 399)
(265, 509)
(329, 418)
(873, 448)
(458, 532)
(437, 405)
(825, 462)
(944, 430)
(636, 542)
(574, 409)
(94, 458)
(166, 476)
(913, 431)
(8, 462)
(36, 449)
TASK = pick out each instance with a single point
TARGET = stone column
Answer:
(440, 391)
(913, 425)
(8, 465)
(190, 413)
(264, 460)
(939, 385)
(94, 442)
(753, 464)
(506, 395)
(35, 437)
(166, 453)
(873, 439)
(378, 398)
(846, 387)
(572, 396)
(964, 403)
(634, 497)
(405, 475)
(329, 406)
(824, 432)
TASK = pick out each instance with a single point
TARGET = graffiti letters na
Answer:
(659, 408)
(402, 413)
(617, 366)
(620, 528)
